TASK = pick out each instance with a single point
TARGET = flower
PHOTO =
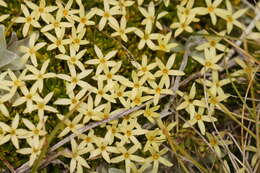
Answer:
(107, 15)
(150, 16)
(189, 103)
(39, 75)
(73, 58)
(216, 84)
(56, 24)
(42, 10)
(58, 41)
(165, 70)
(210, 60)
(101, 92)
(3, 3)
(199, 118)
(103, 149)
(32, 49)
(121, 5)
(163, 43)
(34, 150)
(28, 97)
(13, 133)
(73, 99)
(157, 90)
(66, 11)
(90, 112)
(156, 159)
(35, 131)
(71, 126)
(121, 29)
(127, 156)
(76, 79)
(84, 18)
(29, 20)
(77, 161)
(212, 9)
(182, 25)
(102, 61)
(41, 105)
(146, 38)
(5, 16)
(231, 18)
(213, 42)
(145, 68)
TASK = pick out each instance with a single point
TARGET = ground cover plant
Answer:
(129, 86)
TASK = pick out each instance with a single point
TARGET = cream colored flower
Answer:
(28, 20)
(42, 10)
(128, 156)
(70, 126)
(73, 99)
(28, 97)
(107, 15)
(121, 29)
(31, 50)
(146, 38)
(157, 90)
(156, 158)
(102, 61)
(150, 16)
(39, 75)
(76, 78)
(56, 23)
(164, 43)
(34, 150)
(5, 16)
(35, 131)
(102, 148)
(84, 18)
(166, 71)
(77, 39)
(209, 61)
(199, 118)
(231, 18)
(14, 134)
(41, 106)
(121, 5)
(58, 41)
(77, 161)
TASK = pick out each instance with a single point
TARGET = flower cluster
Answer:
(98, 59)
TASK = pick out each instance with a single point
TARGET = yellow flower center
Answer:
(230, 19)
(126, 155)
(128, 133)
(100, 92)
(165, 71)
(76, 41)
(58, 43)
(210, 9)
(198, 117)
(73, 60)
(103, 60)
(74, 101)
(29, 19)
(102, 148)
(109, 75)
(56, 24)
(41, 105)
(106, 15)
(29, 96)
(65, 12)
(208, 64)
(74, 80)
(155, 156)
(41, 10)
(83, 20)
(158, 90)
(213, 43)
